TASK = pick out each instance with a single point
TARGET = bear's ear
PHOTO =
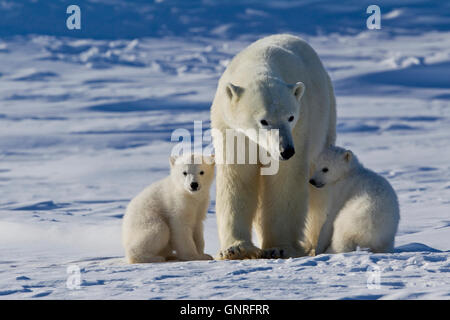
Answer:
(348, 155)
(298, 90)
(172, 160)
(234, 92)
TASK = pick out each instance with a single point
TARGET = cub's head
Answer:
(194, 173)
(331, 165)
(266, 103)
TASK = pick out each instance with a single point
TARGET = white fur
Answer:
(165, 221)
(273, 79)
(360, 208)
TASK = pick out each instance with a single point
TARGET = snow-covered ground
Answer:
(86, 121)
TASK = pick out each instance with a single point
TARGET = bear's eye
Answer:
(291, 118)
(201, 173)
(264, 122)
(184, 173)
(325, 170)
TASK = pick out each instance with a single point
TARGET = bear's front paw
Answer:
(273, 253)
(239, 252)
(282, 253)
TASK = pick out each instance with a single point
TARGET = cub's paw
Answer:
(239, 252)
(205, 256)
(308, 248)
(152, 259)
(282, 253)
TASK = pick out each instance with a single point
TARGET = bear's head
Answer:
(331, 165)
(266, 105)
(192, 172)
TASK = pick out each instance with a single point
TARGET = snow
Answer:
(86, 120)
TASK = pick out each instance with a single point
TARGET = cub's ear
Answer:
(348, 155)
(298, 90)
(172, 160)
(233, 92)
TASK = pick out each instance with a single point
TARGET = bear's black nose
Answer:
(287, 153)
(313, 182)
(194, 185)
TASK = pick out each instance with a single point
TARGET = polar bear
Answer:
(361, 208)
(277, 83)
(168, 215)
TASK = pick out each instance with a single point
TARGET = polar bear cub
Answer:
(361, 206)
(165, 221)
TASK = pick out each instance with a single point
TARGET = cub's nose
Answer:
(313, 182)
(194, 186)
(287, 153)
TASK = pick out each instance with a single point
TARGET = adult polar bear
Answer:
(278, 82)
